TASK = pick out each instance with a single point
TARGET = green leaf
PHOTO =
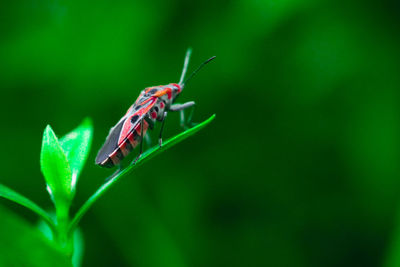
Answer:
(149, 154)
(76, 146)
(23, 245)
(56, 169)
(10, 194)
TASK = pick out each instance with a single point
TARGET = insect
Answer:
(153, 104)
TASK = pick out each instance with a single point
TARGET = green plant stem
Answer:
(149, 154)
(64, 241)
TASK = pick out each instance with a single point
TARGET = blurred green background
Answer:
(300, 167)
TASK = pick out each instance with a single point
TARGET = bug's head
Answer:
(176, 89)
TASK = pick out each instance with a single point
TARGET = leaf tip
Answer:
(48, 133)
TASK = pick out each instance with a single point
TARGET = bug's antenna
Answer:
(185, 64)
(199, 68)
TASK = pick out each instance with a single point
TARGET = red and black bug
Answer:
(152, 105)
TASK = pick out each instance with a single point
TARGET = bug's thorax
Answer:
(166, 92)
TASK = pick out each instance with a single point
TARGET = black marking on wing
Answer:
(110, 144)
(134, 119)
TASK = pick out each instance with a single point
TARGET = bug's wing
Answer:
(111, 143)
(121, 130)
(132, 122)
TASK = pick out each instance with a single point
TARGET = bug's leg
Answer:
(182, 118)
(162, 129)
(141, 144)
(181, 108)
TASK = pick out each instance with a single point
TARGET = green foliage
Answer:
(76, 146)
(56, 169)
(61, 162)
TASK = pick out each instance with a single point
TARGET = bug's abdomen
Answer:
(125, 147)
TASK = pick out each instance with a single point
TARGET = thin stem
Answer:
(64, 240)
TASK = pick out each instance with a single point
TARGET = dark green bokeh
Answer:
(300, 167)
